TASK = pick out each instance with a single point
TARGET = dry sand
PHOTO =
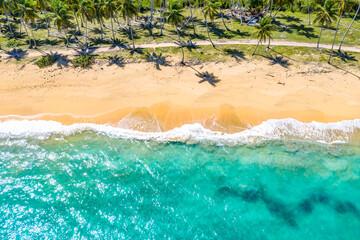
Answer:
(139, 96)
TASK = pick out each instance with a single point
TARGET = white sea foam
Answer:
(344, 131)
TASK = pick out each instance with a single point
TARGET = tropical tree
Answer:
(128, 10)
(6, 6)
(209, 11)
(220, 3)
(86, 11)
(110, 7)
(27, 12)
(308, 9)
(73, 5)
(341, 10)
(264, 32)
(192, 17)
(62, 17)
(347, 30)
(43, 5)
(175, 17)
(99, 14)
(324, 15)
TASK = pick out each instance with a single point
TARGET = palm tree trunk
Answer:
(67, 40)
(207, 29)
(222, 18)
(271, 6)
(257, 45)
(152, 11)
(26, 32)
(8, 22)
(276, 13)
(192, 19)
(131, 33)
(347, 30)
(268, 46)
(317, 47)
(308, 7)
(337, 29)
(86, 35)
(47, 23)
(101, 29)
(240, 11)
(32, 32)
(112, 27)
(182, 49)
(77, 22)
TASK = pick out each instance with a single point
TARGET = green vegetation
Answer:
(45, 61)
(12, 43)
(52, 24)
(83, 60)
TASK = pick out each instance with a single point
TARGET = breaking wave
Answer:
(337, 132)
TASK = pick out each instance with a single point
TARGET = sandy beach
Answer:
(224, 96)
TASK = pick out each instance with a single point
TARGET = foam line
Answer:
(344, 131)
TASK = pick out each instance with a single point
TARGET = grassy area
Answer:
(289, 27)
(284, 56)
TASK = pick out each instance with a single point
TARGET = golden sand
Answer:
(138, 96)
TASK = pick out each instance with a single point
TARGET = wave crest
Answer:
(344, 131)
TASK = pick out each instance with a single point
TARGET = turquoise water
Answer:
(89, 185)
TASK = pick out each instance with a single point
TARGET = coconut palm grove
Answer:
(51, 24)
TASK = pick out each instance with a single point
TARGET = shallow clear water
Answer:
(89, 185)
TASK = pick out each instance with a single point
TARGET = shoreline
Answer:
(232, 96)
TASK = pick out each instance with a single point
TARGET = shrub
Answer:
(83, 61)
(12, 43)
(45, 61)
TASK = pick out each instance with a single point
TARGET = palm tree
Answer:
(62, 17)
(6, 6)
(308, 8)
(99, 14)
(43, 5)
(27, 12)
(347, 30)
(220, 3)
(128, 10)
(341, 10)
(209, 11)
(324, 16)
(192, 17)
(175, 17)
(264, 31)
(86, 11)
(74, 7)
(110, 8)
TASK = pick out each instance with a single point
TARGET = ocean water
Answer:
(280, 180)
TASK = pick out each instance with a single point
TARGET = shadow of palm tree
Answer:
(62, 60)
(289, 18)
(16, 53)
(345, 56)
(303, 30)
(116, 60)
(343, 69)
(238, 55)
(208, 77)
(98, 41)
(89, 50)
(121, 43)
(278, 60)
(136, 50)
(157, 59)
(52, 42)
